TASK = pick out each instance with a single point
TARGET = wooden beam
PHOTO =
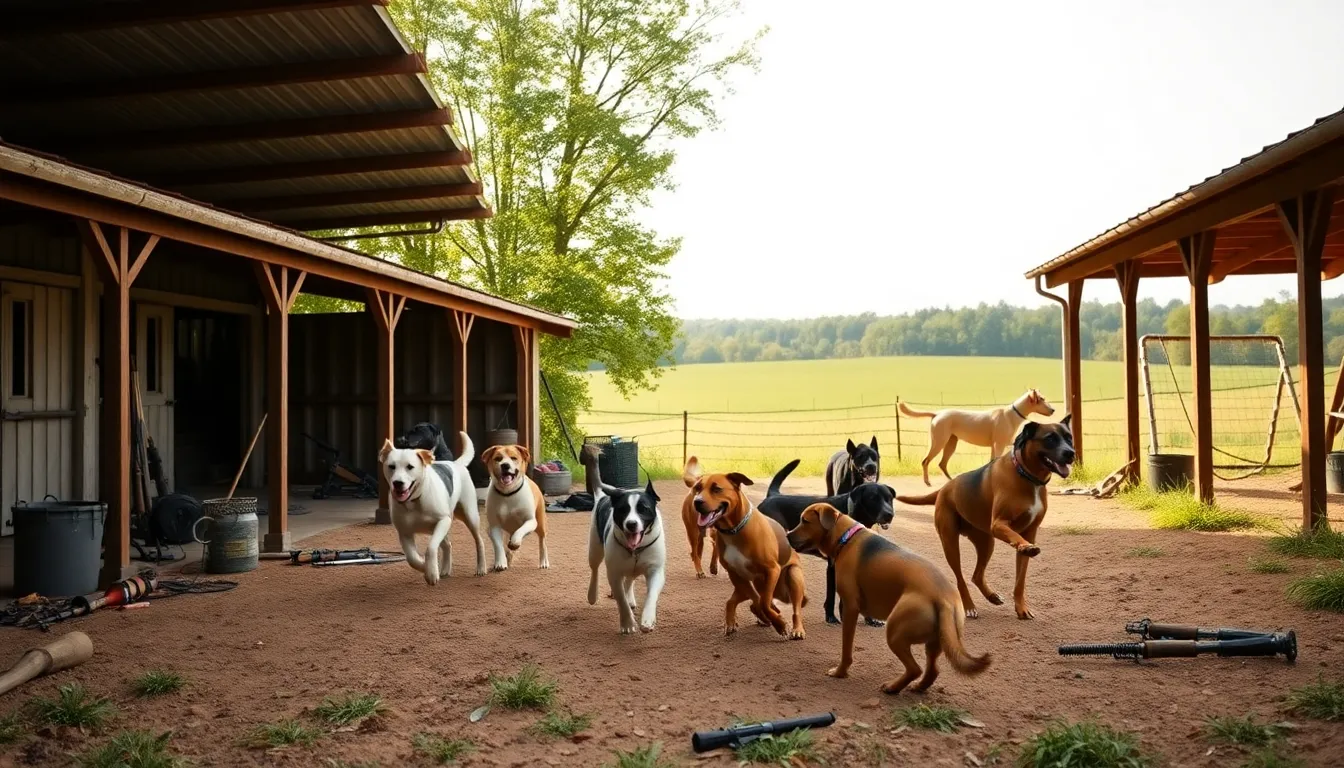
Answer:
(1336, 403)
(1221, 269)
(47, 19)
(1127, 275)
(523, 341)
(270, 130)
(349, 197)
(269, 76)
(460, 323)
(307, 169)
(386, 219)
(1197, 256)
(386, 311)
(279, 288)
(1073, 363)
(118, 266)
(1306, 218)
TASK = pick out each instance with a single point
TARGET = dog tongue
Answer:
(632, 539)
(1065, 469)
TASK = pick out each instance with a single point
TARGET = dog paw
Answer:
(646, 628)
(972, 613)
(1025, 613)
(699, 574)
(515, 544)
(500, 568)
(480, 570)
(994, 599)
(797, 634)
(832, 620)
(431, 577)
(627, 630)
(837, 672)
(874, 622)
(1030, 551)
(545, 564)
(729, 629)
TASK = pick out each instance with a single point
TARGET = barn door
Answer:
(36, 363)
(154, 370)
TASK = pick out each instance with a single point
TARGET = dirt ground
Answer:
(287, 636)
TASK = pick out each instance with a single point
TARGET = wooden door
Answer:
(154, 373)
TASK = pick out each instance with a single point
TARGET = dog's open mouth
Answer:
(870, 476)
(403, 494)
(1062, 470)
(507, 476)
(706, 519)
(633, 539)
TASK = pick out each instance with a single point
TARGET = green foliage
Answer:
(1180, 510)
(1240, 730)
(283, 734)
(525, 690)
(929, 718)
(440, 750)
(11, 728)
(73, 706)
(1322, 543)
(1319, 591)
(157, 682)
(1321, 700)
(1076, 530)
(1083, 745)
(562, 725)
(1267, 565)
(786, 749)
(1269, 757)
(347, 709)
(1145, 552)
(650, 756)
(132, 749)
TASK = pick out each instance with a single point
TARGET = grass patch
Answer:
(1240, 730)
(650, 756)
(1319, 591)
(1268, 565)
(1083, 475)
(1321, 543)
(792, 748)
(525, 690)
(562, 725)
(157, 683)
(1181, 511)
(1320, 700)
(11, 728)
(1270, 758)
(283, 734)
(350, 708)
(73, 706)
(1076, 530)
(929, 718)
(440, 750)
(1145, 552)
(1083, 745)
(132, 749)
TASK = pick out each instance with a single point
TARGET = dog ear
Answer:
(650, 492)
(888, 491)
(1028, 432)
(738, 479)
(849, 446)
(525, 454)
(1067, 418)
(874, 444)
(426, 457)
(384, 451)
(488, 455)
(828, 517)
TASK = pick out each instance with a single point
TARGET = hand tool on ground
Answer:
(69, 650)
(738, 735)
(1259, 645)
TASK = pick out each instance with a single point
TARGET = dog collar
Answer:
(521, 483)
(1021, 470)
(737, 528)
(1019, 413)
(845, 537)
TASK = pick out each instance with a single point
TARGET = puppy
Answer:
(878, 578)
(1006, 500)
(426, 496)
(868, 503)
(852, 466)
(990, 429)
(429, 437)
(514, 505)
(626, 534)
(755, 552)
(694, 532)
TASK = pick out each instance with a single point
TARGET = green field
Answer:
(756, 416)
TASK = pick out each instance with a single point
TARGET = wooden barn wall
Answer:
(333, 390)
(48, 247)
(177, 268)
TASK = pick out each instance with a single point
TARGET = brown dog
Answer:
(690, 476)
(514, 505)
(877, 578)
(754, 550)
(1006, 500)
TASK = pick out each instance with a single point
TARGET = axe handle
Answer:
(69, 650)
(246, 457)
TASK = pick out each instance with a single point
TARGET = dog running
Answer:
(514, 504)
(992, 429)
(627, 534)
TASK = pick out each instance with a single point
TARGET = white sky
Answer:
(892, 155)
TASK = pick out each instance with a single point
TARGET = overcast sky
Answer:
(892, 155)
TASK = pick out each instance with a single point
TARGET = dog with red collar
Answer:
(1005, 500)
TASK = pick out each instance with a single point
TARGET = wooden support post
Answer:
(525, 341)
(460, 323)
(279, 287)
(118, 268)
(1336, 403)
(1307, 219)
(1197, 257)
(386, 310)
(1073, 363)
(1127, 275)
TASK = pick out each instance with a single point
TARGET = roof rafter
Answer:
(307, 169)
(387, 219)
(58, 19)
(351, 197)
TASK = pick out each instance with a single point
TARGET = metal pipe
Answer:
(1063, 335)
(434, 230)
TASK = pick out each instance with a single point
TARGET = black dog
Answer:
(852, 466)
(428, 437)
(867, 503)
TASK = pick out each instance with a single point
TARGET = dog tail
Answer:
(691, 474)
(919, 501)
(912, 413)
(592, 477)
(468, 451)
(951, 620)
(779, 478)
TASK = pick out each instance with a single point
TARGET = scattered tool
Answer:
(122, 593)
(342, 479)
(69, 650)
(246, 457)
(1146, 629)
(1167, 641)
(739, 735)
(363, 556)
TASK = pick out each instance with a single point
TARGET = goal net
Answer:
(1256, 416)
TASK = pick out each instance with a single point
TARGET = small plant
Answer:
(1076, 530)
(1322, 543)
(562, 725)
(1320, 700)
(283, 734)
(645, 757)
(929, 718)
(157, 683)
(11, 728)
(351, 708)
(785, 749)
(1268, 565)
(1240, 730)
(73, 706)
(525, 690)
(439, 750)
(1144, 552)
(1181, 510)
(1082, 745)
(132, 749)
(1269, 758)
(1320, 591)
(876, 753)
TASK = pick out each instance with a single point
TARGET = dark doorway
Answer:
(208, 410)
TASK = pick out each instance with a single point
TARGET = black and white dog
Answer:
(626, 534)
(852, 466)
(869, 504)
(426, 437)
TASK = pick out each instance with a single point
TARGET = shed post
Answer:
(1073, 363)
(1197, 258)
(279, 287)
(386, 310)
(525, 343)
(460, 323)
(1127, 275)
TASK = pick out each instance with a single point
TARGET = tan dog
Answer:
(690, 475)
(514, 504)
(755, 551)
(877, 578)
(1004, 500)
(991, 429)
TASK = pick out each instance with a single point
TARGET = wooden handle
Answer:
(246, 456)
(68, 651)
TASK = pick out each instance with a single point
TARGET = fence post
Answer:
(685, 418)
(898, 427)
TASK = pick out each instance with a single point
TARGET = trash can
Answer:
(1334, 472)
(1171, 471)
(58, 547)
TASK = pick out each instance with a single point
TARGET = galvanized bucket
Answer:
(232, 527)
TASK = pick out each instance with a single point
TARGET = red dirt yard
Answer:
(288, 636)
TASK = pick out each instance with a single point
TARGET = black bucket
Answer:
(58, 547)
(1170, 471)
(1334, 472)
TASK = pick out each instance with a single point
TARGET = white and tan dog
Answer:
(993, 429)
(514, 504)
(425, 497)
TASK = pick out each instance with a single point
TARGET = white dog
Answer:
(627, 533)
(426, 495)
(514, 504)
